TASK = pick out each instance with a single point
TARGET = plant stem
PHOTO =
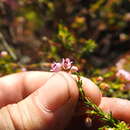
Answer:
(95, 110)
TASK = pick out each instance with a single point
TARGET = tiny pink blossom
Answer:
(100, 78)
(66, 64)
(55, 67)
(123, 73)
(3, 53)
(23, 69)
(74, 69)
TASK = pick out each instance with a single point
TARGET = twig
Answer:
(95, 110)
(8, 48)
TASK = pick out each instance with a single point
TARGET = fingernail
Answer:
(54, 94)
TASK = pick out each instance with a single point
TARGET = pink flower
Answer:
(66, 64)
(99, 78)
(55, 67)
(23, 69)
(74, 69)
(3, 53)
(124, 74)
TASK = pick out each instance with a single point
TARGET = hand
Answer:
(120, 108)
(43, 100)
(40, 100)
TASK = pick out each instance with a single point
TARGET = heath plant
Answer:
(110, 122)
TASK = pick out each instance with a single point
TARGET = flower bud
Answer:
(88, 122)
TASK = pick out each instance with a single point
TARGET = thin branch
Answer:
(7, 47)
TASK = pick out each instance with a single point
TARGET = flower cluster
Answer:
(65, 65)
(123, 74)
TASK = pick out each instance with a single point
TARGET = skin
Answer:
(47, 101)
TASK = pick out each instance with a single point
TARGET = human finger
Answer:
(15, 87)
(49, 108)
(91, 90)
(120, 108)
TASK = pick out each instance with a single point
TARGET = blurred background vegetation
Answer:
(95, 34)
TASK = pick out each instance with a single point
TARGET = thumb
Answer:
(48, 108)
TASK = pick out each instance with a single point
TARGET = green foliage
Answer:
(120, 126)
(89, 46)
(66, 37)
(6, 65)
